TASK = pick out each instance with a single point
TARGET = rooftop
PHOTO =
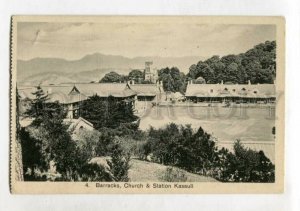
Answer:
(147, 89)
(69, 93)
(214, 90)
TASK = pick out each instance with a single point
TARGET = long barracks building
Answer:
(71, 95)
(246, 93)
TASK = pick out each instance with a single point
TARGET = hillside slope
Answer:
(143, 171)
(90, 62)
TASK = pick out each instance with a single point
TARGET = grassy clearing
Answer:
(143, 171)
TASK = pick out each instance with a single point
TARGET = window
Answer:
(233, 90)
(211, 90)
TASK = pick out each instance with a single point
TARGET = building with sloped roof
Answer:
(147, 92)
(71, 95)
(231, 92)
(76, 125)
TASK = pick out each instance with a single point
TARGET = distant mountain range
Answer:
(91, 67)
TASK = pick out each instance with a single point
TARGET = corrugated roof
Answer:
(223, 90)
(146, 89)
(105, 89)
(62, 94)
(70, 93)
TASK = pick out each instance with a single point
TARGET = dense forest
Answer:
(257, 65)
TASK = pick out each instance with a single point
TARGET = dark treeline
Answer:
(136, 75)
(257, 65)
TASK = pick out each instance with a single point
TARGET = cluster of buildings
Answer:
(72, 95)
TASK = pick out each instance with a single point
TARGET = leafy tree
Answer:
(56, 145)
(181, 147)
(136, 75)
(243, 165)
(87, 142)
(37, 107)
(113, 77)
(119, 164)
(173, 80)
(110, 113)
(174, 175)
(93, 172)
(252, 166)
(204, 70)
(204, 151)
(32, 157)
(105, 142)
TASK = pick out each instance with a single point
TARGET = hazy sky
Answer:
(73, 41)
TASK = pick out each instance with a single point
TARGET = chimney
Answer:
(222, 82)
(132, 82)
(191, 81)
(249, 82)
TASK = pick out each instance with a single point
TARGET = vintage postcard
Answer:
(147, 104)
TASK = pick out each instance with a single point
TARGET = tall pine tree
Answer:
(36, 110)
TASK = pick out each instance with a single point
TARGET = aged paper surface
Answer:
(147, 104)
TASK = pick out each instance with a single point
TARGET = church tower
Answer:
(147, 71)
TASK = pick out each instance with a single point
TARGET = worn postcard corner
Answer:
(147, 104)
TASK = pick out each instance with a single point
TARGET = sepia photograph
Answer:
(147, 104)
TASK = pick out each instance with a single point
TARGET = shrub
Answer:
(119, 164)
(87, 142)
(32, 157)
(174, 175)
(94, 173)
(244, 165)
(181, 146)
